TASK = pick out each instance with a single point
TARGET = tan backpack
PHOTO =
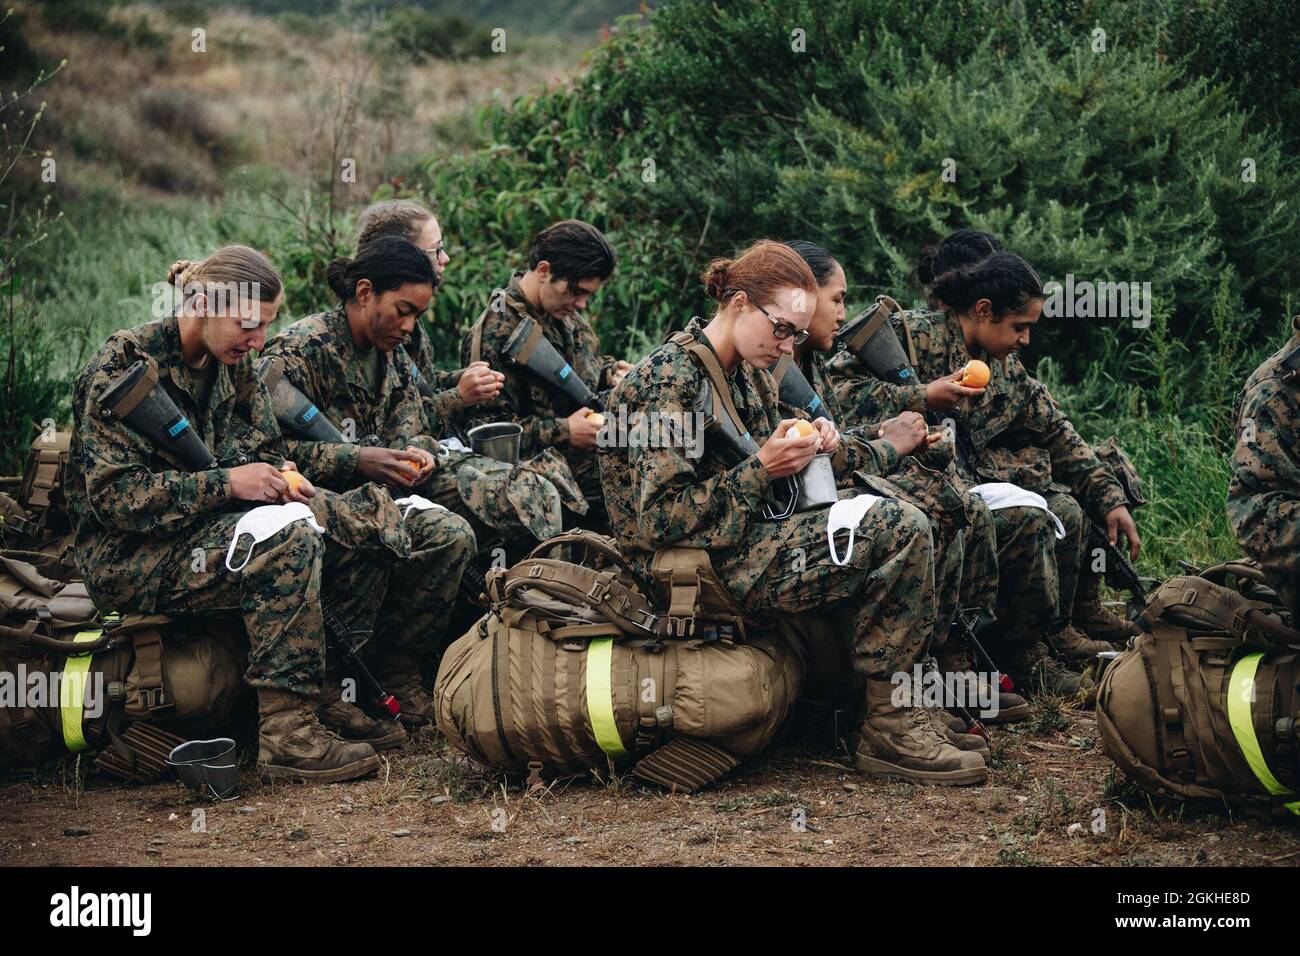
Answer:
(150, 681)
(575, 669)
(1204, 706)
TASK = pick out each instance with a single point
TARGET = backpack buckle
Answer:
(650, 624)
(599, 591)
(680, 626)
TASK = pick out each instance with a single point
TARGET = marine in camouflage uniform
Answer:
(965, 561)
(321, 359)
(1264, 491)
(152, 536)
(1013, 432)
(658, 496)
(524, 399)
(965, 537)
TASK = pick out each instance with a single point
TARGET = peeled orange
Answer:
(803, 429)
(974, 374)
(596, 418)
(293, 478)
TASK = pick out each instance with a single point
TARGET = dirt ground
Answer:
(800, 805)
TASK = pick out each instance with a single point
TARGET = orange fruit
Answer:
(596, 418)
(803, 429)
(974, 374)
(293, 478)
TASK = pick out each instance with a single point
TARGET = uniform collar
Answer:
(171, 362)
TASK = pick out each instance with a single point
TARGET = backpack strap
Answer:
(602, 591)
(1176, 759)
(1241, 716)
(712, 368)
(46, 464)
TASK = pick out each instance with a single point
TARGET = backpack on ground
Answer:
(576, 669)
(130, 687)
(1204, 705)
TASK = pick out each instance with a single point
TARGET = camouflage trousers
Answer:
(886, 589)
(504, 502)
(372, 570)
(1070, 553)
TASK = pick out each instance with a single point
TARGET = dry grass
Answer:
(170, 120)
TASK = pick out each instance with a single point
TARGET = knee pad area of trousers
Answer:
(444, 530)
(297, 547)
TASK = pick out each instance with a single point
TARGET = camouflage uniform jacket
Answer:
(660, 496)
(443, 408)
(542, 411)
(129, 499)
(1264, 492)
(322, 360)
(1013, 432)
(856, 452)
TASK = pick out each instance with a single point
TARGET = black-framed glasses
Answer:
(783, 330)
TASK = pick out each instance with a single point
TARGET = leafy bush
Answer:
(703, 127)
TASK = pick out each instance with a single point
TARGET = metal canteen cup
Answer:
(499, 440)
(208, 767)
(817, 484)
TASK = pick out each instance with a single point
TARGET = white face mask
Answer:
(417, 503)
(261, 523)
(1002, 494)
(845, 515)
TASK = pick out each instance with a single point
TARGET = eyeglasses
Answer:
(780, 330)
(437, 250)
(783, 330)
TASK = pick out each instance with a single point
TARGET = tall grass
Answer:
(1178, 430)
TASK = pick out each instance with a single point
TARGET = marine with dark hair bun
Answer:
(343, 361)
(1010, 430)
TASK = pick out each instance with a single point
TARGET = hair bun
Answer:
(716, 277)
(181, 271)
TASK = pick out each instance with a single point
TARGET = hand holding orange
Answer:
(293, 479)
(596, 418)
(803, 429)
(974, 374)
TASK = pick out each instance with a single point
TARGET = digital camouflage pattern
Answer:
(321, 358)
(966, 569)
(540, 410)
(1264, 491)
(444, 409)
(658, 497)
(153, 537)
(1013, 432)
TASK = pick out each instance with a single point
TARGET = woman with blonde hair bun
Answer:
(156, 533)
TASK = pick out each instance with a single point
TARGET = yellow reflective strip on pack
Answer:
(72, 693)
(1241, 698)
(600, 696)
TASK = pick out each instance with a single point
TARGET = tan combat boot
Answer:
(1036, 673)
(903, 742)
(291, 743)
(399, 674)
(1095, 619)
(1011, 707)
(1075, 647)
(352, 723)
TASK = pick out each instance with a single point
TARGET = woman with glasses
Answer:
(726, 498)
